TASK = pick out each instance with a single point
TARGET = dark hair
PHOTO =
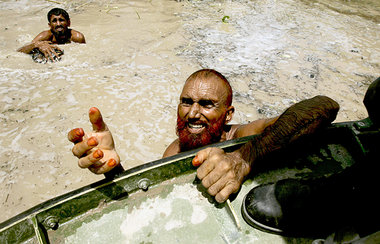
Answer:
(210, 73)
(58, 11)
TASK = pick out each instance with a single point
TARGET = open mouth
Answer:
(195, 128)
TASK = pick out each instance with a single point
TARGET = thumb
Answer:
(201, 156)
(96, 119)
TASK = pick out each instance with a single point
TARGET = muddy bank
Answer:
(138, 55)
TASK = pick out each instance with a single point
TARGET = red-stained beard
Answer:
(212, 133)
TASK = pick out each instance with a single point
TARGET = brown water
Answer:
(137, 56)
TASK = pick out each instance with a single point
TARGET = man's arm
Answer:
(223, 173)
(301, 119)
(27, 48)
(172, 149)
(43, 42)
(253, 128)
(36, 42)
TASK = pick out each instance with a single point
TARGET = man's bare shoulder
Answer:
(172, 149)
(44, 36)
(252, 128)
(78, 37)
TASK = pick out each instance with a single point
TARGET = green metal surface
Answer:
(176, 208)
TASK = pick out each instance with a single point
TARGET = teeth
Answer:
(195, 126)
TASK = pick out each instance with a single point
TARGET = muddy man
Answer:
(204, 111)
(43, 46)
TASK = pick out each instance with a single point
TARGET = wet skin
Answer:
(203, 107)
(59, 26)
(202, 102)
(59, 33)
(95, 150)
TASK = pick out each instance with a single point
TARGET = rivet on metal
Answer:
(51, 222)
(143, 184)
(361, 124)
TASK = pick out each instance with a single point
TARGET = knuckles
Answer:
(212, 191)
(74, 151)
(206, 182)
(224, 166)
(221, 197)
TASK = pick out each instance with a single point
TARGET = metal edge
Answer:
(49, 204)
(105, 182)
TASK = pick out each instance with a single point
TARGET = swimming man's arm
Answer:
(43, 43)
(37, 42)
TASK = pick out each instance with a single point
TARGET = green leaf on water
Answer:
(225, 19)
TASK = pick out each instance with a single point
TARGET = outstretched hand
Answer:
(221, 173)
(95, 150)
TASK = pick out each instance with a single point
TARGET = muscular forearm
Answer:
(301, 119)
(27, 48)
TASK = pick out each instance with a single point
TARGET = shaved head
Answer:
(204, 109)
(213, 75)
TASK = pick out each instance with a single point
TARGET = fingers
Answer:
(91, 159)
(57, 48)
(208, 159)
(97, 162)
(48, 52)
(53, 53)
(224, 194)
(223, 188)
(83, 147)
(75, 135)
(96, 120)
(201, 156)
(221, 173)
(210, 179)
(97, 153)
(221, 183)
(105, 166)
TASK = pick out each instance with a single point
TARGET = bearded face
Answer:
(203, 111)
(59, 25)
(58, 31)
(211, 132)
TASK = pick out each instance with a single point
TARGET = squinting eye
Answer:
(186, 101)
(206, 103)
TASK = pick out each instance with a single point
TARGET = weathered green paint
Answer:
(331, 151)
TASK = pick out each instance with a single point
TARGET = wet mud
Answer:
(137, 56)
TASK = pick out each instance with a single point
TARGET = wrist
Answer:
(238, 157)
(36, 44)
(247, 152)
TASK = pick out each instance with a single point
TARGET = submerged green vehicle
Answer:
(163, 201)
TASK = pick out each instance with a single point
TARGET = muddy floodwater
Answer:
(137, 56)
